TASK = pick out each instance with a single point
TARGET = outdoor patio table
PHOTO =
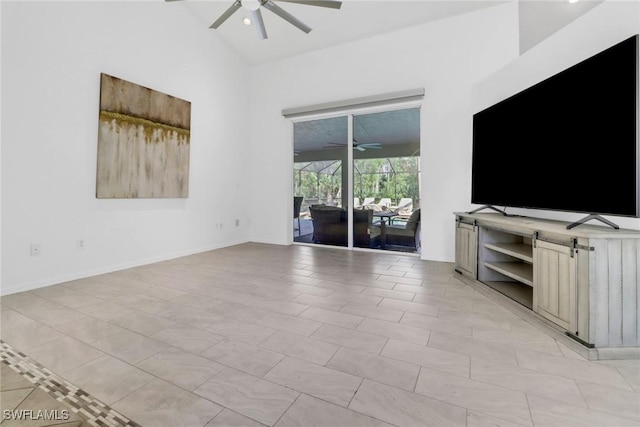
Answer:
(384, 215)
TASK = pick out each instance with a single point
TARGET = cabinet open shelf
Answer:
(522, 272)
(505, 262)
(517, 250)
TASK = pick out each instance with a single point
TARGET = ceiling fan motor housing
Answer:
(251, 4)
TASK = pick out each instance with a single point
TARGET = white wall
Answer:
(52, 57)
(447, 58)
(600, 28)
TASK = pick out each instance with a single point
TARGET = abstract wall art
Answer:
(143, 142)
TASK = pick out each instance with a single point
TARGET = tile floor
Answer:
(18, 393)
(31, 395)
(255, 335)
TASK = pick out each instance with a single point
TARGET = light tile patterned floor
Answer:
(257, 334)
(32, 395)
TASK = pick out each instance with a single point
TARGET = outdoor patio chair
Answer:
(405, 234)
(368, 201)
(404, 208)
(383, 205)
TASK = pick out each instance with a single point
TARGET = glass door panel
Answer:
(386, 180)
(320, 152)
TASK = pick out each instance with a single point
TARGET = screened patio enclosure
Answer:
(394, 178)
(319, 182)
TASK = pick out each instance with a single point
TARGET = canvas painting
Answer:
(143, 142)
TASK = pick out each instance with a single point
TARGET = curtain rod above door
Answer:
(355, 103)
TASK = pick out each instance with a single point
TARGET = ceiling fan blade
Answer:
(257, 20)
(359, 148)
(374, 145)
(235, 6)
(321, 3)
(269, 4)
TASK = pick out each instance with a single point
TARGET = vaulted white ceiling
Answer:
(355, 20)
(358, 19)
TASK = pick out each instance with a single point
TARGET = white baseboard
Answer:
(24, 287)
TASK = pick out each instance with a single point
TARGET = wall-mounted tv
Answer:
(568, 143)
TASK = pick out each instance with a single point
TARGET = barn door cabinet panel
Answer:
(583, 280)
(555, 283)
(466, 249)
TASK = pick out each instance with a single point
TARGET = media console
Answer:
(580, 284)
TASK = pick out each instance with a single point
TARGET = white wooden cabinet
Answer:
(584, 280)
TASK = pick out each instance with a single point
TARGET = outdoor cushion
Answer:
(414, 220)
(322, 215)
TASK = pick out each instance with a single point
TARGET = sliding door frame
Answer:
(349, 113)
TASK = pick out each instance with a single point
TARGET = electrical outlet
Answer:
(80, 244)
(35, 249)
(237, 223)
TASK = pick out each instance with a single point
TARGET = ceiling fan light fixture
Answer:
(254, 6)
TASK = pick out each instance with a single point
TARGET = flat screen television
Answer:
(568, 143)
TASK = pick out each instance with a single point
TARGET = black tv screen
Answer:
(568, 143)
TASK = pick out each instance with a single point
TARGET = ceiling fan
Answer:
(253, 6)
(356, 146)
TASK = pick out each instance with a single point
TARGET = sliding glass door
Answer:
(357, 180)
